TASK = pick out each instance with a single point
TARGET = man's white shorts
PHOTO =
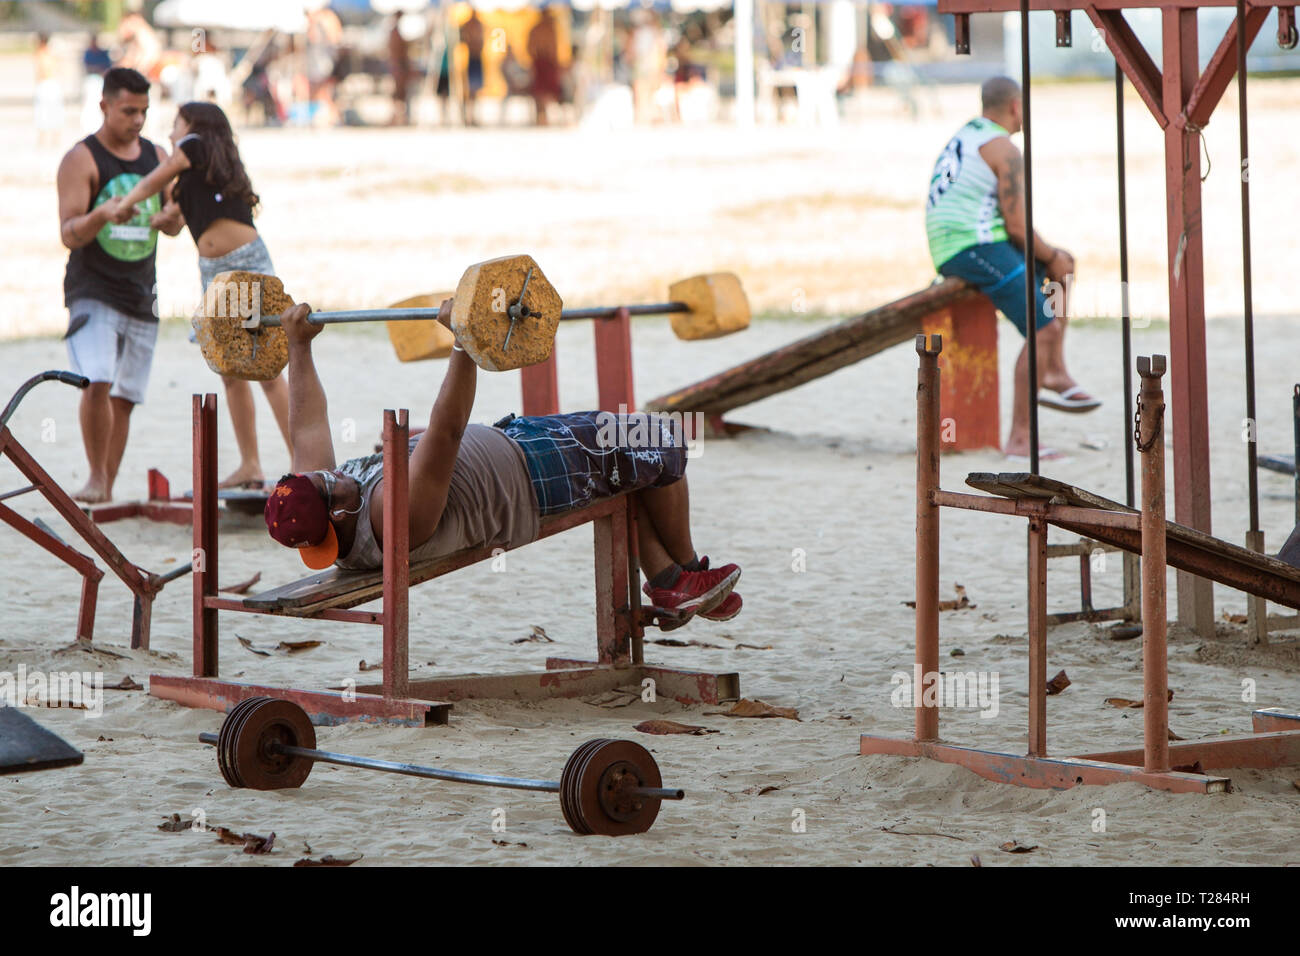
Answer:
(106, 345)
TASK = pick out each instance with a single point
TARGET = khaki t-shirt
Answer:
(490, 501)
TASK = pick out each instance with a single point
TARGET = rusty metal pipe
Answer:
(1150, 438)
(927, 530)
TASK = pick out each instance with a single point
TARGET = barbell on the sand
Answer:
(608, 787)
(504, 315)
(701, 307)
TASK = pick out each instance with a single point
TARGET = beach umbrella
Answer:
(287, 16)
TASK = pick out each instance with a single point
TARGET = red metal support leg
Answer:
(1037, 637)
(927, 532)
(205, 534)
(968, 391)
(86, 615)
(541, 387)
(1188, 386)
(1155, 676)
(397, 554)
(614, 363)
(610, 544)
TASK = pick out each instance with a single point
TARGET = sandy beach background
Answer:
(818, 223)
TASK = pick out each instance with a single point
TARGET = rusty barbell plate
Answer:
(569, 779)
(236, 725)
(272, 720)
(225, 760)
(603, 776)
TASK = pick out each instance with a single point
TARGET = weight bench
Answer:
(1159, 764)
(334, 595)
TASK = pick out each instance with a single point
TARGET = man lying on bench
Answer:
(477, 486)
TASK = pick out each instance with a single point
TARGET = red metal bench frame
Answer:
(620, 619)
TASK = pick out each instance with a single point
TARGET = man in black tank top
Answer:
(110, 286)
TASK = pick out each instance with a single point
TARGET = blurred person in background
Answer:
(399, 64)
(324, 34)
(48, 102)
(96, 62)
(471, 34)
(258, 90)
(544, 51)
(648, 58)
(141, 48)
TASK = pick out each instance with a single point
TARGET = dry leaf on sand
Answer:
(1015, 846)
(755, 708)
(672, 727)
(1058, 683)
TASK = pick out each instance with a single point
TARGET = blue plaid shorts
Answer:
(582, 457)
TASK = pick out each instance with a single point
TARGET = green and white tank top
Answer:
(962, 208)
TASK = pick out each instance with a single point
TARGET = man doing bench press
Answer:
(474, 486)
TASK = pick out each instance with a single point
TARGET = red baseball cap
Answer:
(297, 517)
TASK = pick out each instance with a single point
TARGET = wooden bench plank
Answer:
(1284, 583)
(814, 355)
(1020, 485)
(336, 588)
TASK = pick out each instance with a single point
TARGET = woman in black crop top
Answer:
(213, 193)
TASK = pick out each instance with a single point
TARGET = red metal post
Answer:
(205, 534)
(1188, 388)
(1155, 676)
(397, 554)
(634, 585)
(159, 488)
(540, 386)
(614, 362)
(86, 616)
(927, 532)
(968, 391)
(609, 540)
(1037, 637)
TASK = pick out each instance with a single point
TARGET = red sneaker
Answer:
(695, 592)
(728, 609)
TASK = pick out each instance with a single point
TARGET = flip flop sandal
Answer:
(1066, 401)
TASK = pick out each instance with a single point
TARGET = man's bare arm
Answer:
(434, 457)
(76, 182)
(309, 427)
(1009, 166)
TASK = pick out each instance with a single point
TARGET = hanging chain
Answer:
(1157, 430)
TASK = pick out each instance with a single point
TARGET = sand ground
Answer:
(825, 221)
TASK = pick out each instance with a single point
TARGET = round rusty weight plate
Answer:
(569, 791)
(225, 760)
(602, 778)
(272, 721)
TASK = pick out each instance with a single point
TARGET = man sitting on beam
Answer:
(975, 220)
(473, 486)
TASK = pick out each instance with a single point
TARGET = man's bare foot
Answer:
(245, 476)
(95, 492)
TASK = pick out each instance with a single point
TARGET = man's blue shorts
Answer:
(998, 270)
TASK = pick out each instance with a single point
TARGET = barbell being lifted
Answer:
(239, 332)
(701, 307)
(607, 787)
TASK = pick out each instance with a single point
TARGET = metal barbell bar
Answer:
(610, 787)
